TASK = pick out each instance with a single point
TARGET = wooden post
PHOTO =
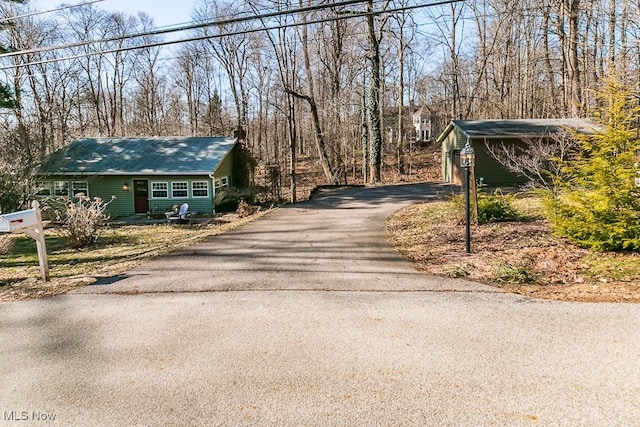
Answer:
(474, 192)
(37, 234)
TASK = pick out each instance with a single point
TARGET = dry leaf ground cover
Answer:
(118, 249)
(522, 257)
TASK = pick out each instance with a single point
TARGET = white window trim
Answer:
(44, 186)
(54, 188)
(166, 189)
(193, 190)
(221, 182)
(75, 191)
(186, 189)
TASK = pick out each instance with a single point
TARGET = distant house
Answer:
(418, 125)
(423, 123)
(147, 175)
(494, 132)
(390, 121)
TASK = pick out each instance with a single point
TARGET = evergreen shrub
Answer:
(597, 204)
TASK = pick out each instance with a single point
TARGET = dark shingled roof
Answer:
(140, 156)
(516, 128)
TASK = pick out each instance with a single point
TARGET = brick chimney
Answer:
(239, 134)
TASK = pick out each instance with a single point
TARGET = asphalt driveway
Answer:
(336, 241)
(308, 317)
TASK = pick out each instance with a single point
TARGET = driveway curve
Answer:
(308, 318)
(336, 241)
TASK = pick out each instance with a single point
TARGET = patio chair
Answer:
(181, 216)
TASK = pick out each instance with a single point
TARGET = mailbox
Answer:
(15, 221)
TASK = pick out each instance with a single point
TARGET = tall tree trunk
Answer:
(575, 83)
(455, 84)
(293, 137)
(400, 140)
(375, 121)
(325, 161)
(612, 34)
(365, 135)
(551, 81)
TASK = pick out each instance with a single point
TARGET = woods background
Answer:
(326, 86)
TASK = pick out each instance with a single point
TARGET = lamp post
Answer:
(467, 161)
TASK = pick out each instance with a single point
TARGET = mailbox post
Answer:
(29, 222)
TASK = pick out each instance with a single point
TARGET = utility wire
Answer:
(41, 12)
(191, 26)
(204, 24)
(351, 15)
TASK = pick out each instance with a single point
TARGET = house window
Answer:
(79, 187)
(44, 190)
(179, 189)
(222, 182)
(200, 189)
(159, 190)
(61, 188)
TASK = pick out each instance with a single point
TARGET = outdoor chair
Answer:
(179, 217)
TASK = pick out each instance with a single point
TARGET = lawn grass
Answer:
(118, 249)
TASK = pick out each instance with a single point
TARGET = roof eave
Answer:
(483, 137)
(229, 151)
(446, 132)
(94, 173)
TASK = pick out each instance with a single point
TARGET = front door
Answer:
(141, 195)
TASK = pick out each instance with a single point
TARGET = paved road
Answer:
(306, 317)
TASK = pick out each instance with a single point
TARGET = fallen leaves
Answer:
(524, 249)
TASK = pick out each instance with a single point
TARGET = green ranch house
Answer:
(146, 175)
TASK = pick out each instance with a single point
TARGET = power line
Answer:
(42, 12)
(191, 26)
(213, 36)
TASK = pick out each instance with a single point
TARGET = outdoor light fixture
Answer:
(467, 161)
(467, 156)
(125, 186)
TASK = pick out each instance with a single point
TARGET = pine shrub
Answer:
(597, 205)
